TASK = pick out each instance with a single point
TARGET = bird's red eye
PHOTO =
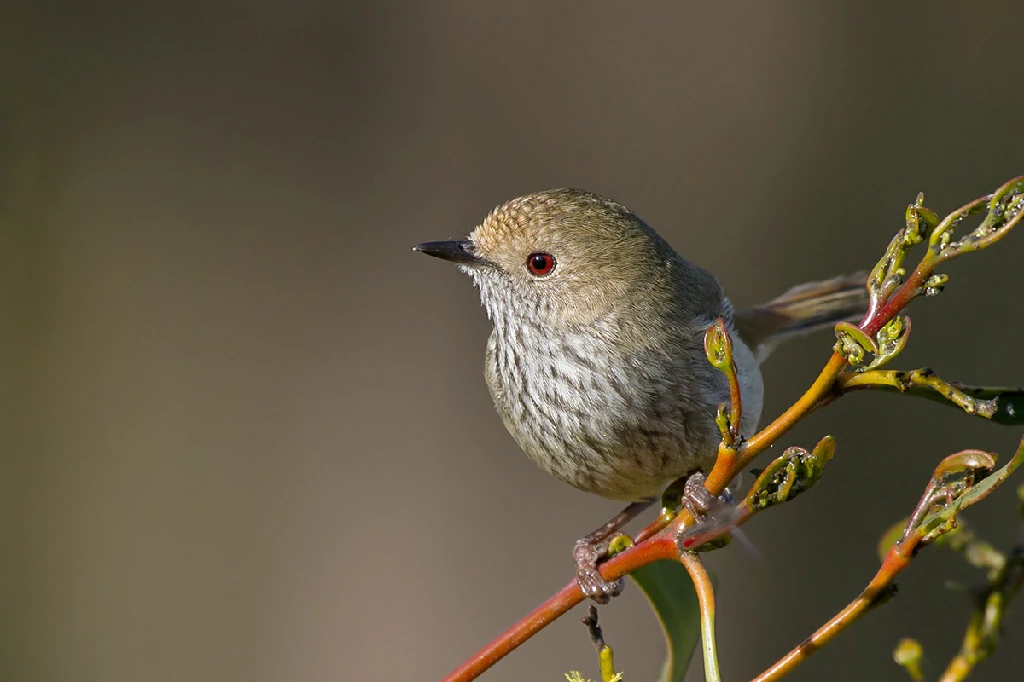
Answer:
(540, 264)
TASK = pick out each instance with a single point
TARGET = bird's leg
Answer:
(592, 548)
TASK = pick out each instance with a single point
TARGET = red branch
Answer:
(662, 546)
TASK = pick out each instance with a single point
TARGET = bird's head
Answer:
(563, 258)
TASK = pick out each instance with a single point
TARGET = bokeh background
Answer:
(245, 430)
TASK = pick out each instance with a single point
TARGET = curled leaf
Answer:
(891, 339)
(1005, 208)
(856, 345)
(959, 481)
(796, 471)
(967, 463)
(853, 344)
(889, 273)
(718, 345)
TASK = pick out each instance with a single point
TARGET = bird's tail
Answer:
(802, 309)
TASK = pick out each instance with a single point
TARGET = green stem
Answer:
(1000, 404)
(706, 600)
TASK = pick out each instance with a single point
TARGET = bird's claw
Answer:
(696, 498)
(586, 555)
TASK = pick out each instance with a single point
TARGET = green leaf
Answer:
(668, 587)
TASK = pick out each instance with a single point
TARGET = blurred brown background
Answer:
(245, 430)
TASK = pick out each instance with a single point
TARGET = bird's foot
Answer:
(591, 549)
(696, 498)
(586, 554)
(712, 515)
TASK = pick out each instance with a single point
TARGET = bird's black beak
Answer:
(456, 251)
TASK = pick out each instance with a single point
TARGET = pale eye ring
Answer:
(540, 264)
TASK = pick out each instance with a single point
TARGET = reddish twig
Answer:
(662, 546)
(960, 480)
(876, 593)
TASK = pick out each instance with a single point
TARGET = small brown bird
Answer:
(596, 362)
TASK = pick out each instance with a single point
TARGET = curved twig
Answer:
(959, 481)
(662, 546)
(706, 600)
